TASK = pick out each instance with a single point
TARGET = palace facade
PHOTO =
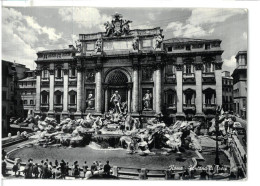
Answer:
(240, 84)
(178, 77)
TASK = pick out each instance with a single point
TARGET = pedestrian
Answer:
(45, 170)
(50, 170)
(41, 168)
(107, 168)
(67, 169)
(15, 168)
(75, 171)
(36, 170)
(85, 168)
(29, 170)
(203, 175)
(93, 168)
(56, 163)
(63, 169)
(3, 168)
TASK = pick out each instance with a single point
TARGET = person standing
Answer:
(107, 168)
(85, 168)
(93, 168)
(36, 170)
(41, 168)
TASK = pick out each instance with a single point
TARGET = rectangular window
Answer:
(45, 99)
(25, 102)
(169, 49)
(73, 99)
(45, 74)
(3, 95)
(188, 47)
(207, 46)
(188, 69)
(58, 99)
(73, 72)
(31, 102)
(208, 67)
(58, 73)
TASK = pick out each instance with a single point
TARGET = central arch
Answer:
(117, 80)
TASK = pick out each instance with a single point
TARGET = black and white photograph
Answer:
(130, 93)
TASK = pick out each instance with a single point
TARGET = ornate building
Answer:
(177, 77)
(240, 84)
(227, 91)
(11, 73)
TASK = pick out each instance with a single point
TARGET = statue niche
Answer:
(90, 101)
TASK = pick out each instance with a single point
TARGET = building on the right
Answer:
(240, 84)
(227, 92)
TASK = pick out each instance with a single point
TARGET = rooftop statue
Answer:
(118, 26)
(78, 46)
(98, 45)
(135, 43)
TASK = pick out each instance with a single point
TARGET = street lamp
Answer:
(218, 110)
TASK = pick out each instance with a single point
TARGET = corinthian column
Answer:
(158, 89)
(38, 92)
(98, 89)
(199, 97)
(79, 90)
(135, 89)
(179, 68)
(51, 95)
(65, 93)
(218, 68)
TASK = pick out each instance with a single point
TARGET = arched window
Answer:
(72, 97)
(170, 98)
(58, 97)
(189, 96)
(45, 97)
(210, 96)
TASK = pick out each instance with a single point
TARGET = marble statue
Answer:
(116, 100)
(147, 100)
(126, 27)
(90, 101)
(78, 47)
(98, 45)
(135, 43)
(109, 28)
(158, 41)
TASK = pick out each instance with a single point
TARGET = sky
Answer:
(26, 30)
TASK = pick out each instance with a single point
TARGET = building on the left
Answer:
(12, 73)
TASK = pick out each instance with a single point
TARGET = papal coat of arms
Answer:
(118, 26)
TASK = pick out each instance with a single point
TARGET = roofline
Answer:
(241, 53)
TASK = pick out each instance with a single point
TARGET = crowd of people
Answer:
(59, 170)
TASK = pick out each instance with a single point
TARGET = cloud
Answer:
(84, 17)
(200, 16)
(201, 22)
(21, 36)
(230, 64)
(187, 30)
